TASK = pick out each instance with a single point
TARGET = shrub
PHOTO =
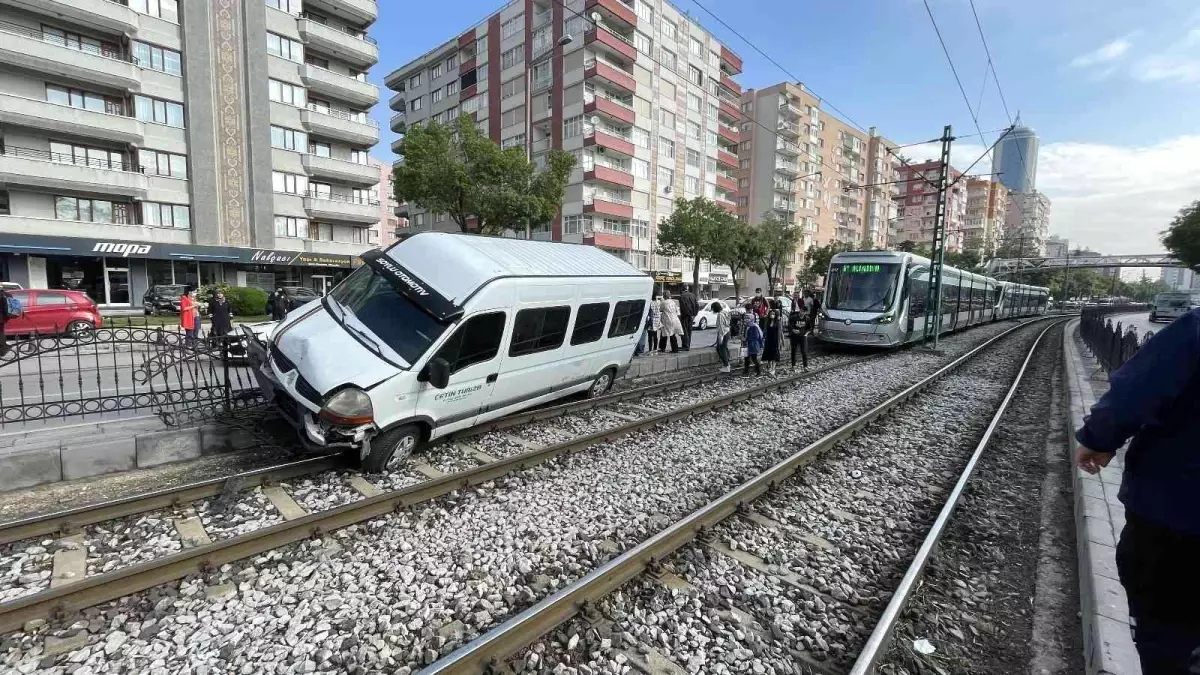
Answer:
(246, 301)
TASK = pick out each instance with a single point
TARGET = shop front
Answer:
(667, 281)
(116, 274)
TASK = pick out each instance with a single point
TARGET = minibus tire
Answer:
(391, 446)
(602, 383)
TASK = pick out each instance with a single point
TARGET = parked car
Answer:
(706, 318)
(53, 312)
(10, 286)
(299, 295)
(162, 299)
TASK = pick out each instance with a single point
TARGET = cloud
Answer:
(1178, 62)
(1110, 198)
(1106, 54)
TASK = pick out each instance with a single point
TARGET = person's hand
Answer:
(1091, 461)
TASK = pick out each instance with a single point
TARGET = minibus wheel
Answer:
(601, 384)
(392, 448)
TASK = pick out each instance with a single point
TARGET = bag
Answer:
(12, 307)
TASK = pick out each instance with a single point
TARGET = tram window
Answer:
(949, 298)
(918, 289)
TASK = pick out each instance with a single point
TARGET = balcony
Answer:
(609, 175)
(784, 205)
(601, 38)
(787, 168)
(37, 114)
(731, 60)
(784, 186)
(398, 123)
(609, 142)
(612, 10)
(105, 14)
(354, 128)
(34, 50)
(25, 167)
(788, 129)
(788, 108)
(613, 240)
(608, 207)
(321, 206)
(729, 206)
(730, 110)
(785, 148)
(397, 102)
(340, 169)
(727, 158)
(356, 12)
(339, 86)
(609, 107)
(727, 182)
(335, 247)
(353, 47)
(728, 133)
(731, 85)
(610, 74)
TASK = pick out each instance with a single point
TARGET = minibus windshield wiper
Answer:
(366, 339)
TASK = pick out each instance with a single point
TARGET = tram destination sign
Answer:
(862, 268)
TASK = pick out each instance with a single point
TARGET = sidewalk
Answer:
(1099, 517)
(703, 353)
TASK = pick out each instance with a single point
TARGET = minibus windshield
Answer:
(393, 318)
(861, 287)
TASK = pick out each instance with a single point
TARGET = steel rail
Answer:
(487, 652)
(70, 520)
(880, 639)
(102, 588)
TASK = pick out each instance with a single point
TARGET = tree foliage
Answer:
(778, 239)
(817, 261)
(738, 248)
(1182, 237)
(455, 169)
(696, 230)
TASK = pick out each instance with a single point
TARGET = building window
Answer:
(66, 153)
(512, 26)
(158, 111)
(163, 9)
(288, 139)
(573, 126)
(573, 224)
(639, 228)
(668, 29)
(287, 226)
(289, 183)
(666, 148)
(157, 58)
(435, 95)
(283, 92)
(452, 88)
(158, 163)
(414, 81)
(691, 185)
(512, 87)
(513, 56)
(640, 137)
(666, 118)
(84, 100)
(693, 158)
(695, 130)
(359, 156)
(695, 76)
(289, 6)
(645, 12)
(643, 43)
(451, 62)
(640, 168)
(694, 102)
(320, 148)
(435, 72)
(517, 141)
(667, 59)
(697, 47)
(166, 215)
(91, 210)
(285, 48)
(666, 177)
(414, 104)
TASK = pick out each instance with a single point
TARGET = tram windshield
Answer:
(862, 287)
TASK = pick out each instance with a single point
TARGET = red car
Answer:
(48, 312)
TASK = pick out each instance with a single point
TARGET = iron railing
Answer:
(346, 199)
(357, 34)
(1111, 345)
(361, 118)
(129, 366)
(68, 41)
(65, 158)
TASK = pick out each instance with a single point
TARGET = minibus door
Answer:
(472, 354)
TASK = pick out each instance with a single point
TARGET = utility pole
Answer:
(933, 299)
(1067, 275)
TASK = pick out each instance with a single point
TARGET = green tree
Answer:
(455, 169)
(693, 231)
(738, 248)
(817, 261)
(1182, 236)
(966, 260)
(778, 239)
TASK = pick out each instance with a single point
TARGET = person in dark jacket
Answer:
(279, 304)
(221, 314)
(797, 332)
(688, 309)
(753, 343)
(772, 329)
(1154, 399)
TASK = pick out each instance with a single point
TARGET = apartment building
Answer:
(641, 94)
(808, 167)
(391, 225)
(987, 208)
(917, 204)
(152, 142)
(1026, 224)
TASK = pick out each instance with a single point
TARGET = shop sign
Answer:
(667, 277)
(718, 278)
(78, 246)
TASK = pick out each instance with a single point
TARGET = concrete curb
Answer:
(1108, 647)
(706, 355)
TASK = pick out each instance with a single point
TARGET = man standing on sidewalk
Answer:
(1155, 400)
(688, 309)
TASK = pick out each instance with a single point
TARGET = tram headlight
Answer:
(886, 318)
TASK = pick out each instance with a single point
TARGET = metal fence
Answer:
(1112, 345)
(129, 367)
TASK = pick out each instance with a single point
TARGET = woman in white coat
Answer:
(671, 327)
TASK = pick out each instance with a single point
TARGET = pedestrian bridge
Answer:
(1000, 267)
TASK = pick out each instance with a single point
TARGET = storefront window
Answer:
(160, 272)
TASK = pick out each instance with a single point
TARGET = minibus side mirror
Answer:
(438, 372)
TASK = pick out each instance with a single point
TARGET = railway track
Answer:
(198, 552)
(624, 610)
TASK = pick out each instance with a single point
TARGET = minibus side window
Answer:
(539, 330)
(477, 340)
(589, 323)
(627, 318)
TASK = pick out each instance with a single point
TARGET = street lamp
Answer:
(548, 54)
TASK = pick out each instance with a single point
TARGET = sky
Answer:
(1111, 87)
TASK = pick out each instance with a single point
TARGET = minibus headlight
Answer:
(350, 407)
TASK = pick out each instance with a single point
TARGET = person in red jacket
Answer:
(188, 313)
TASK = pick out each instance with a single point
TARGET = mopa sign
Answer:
(124, 250)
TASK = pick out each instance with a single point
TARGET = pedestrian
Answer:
(812, 304)
(784, 302)
(7, 309)
(688, 309)
(279, 304)
(671, 328)
(753, 345)
(758, 304)
(1154, 399)
(797, 332)
(189, 314)
(772, 330)
(654, 322)
(724, 332)
(221, 313)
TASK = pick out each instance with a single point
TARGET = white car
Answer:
(706, 317)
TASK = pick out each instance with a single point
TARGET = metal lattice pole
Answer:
(933, 300)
